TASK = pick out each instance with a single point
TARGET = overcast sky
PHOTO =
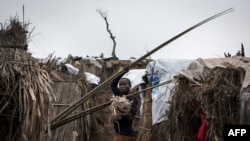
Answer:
(74, 27)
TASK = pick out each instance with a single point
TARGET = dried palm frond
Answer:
(14, 35)
(25, 89)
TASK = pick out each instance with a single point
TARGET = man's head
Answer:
(124, 86)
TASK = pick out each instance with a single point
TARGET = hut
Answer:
(217, 88)
(214, 89)
(25, 87)
(160, 84)
(34, 91)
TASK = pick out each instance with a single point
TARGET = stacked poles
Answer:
(68, 110)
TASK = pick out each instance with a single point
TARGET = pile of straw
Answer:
(218, 94)
(25, 89)
(13, 34)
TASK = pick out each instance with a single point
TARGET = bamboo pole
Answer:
(79, 102)
(68, 110)
(77, 116)
(99, 107)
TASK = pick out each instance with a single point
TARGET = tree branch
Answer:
(104, 16)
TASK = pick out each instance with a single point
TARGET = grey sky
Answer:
(74, 27)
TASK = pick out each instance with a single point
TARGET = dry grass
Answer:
(25, 88)
(218, 94)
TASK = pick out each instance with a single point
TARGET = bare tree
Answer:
(104, 16)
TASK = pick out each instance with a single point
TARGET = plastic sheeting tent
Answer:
(159, 71)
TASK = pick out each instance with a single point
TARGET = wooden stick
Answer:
(77, 116)
(92, 92)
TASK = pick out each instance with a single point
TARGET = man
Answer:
(123, 126)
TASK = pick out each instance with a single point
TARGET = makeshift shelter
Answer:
(70, 86)
(156, 100)
(157, 72)
(217, 86)
(25, 88)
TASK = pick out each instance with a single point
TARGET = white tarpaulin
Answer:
(92, 79)
(135, 76)
(71, 69)
(159, 71)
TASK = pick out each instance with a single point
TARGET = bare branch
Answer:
(104, 16)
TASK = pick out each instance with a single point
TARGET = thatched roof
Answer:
(25, 88)
(14, 34)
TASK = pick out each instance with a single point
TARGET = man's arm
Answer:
(114, 84)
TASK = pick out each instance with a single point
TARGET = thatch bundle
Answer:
(217, 94)
(13, 34)
(25, 89)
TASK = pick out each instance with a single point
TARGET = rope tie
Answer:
(120, 106)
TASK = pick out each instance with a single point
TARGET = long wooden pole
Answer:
(68, 110)
(99, 107)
